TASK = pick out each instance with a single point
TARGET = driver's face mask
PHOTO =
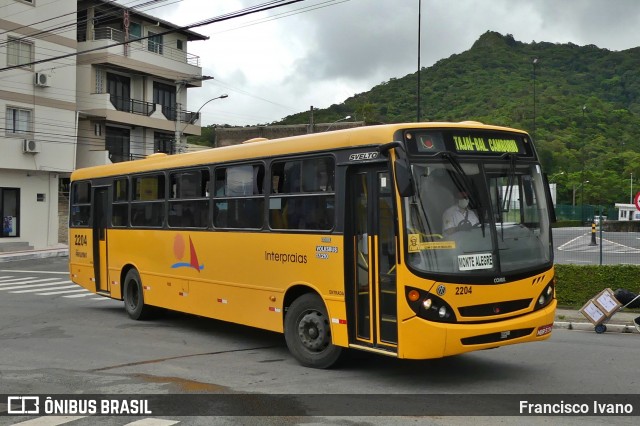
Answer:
(463, 203)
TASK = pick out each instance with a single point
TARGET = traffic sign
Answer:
(636, 201)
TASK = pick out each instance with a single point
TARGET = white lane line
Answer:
(26, 280)
(86, 294)
(34, 272)
(34, 290)
(153, 422)
(49, 421)
(17, 287)
(52, 293)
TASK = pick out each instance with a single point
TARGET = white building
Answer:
(627, 212)
(111, 104)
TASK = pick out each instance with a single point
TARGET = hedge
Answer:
(578, 283)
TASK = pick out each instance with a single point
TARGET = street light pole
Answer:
(181, 147)
(535, 61)
(337, 121)
(631, 189)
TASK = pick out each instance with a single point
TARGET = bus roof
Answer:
(264, 148)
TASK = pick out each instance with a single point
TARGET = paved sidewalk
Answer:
(56, 251)
(570, 319)
(621, 322)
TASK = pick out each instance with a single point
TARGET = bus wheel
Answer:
(307, 332)
(133, 296)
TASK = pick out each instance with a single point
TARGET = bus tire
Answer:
(307, 331)
(134, 297)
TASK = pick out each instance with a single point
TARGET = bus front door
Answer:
(373, 285)
(100, 209)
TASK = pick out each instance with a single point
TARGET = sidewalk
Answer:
(621, 322)
(570, 319)
(56, 251)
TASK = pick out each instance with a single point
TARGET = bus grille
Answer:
(501, 336)
(492, 309)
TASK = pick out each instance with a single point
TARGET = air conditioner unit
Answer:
(42, 80)
(30, 146)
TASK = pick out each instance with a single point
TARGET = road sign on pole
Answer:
(636, 200)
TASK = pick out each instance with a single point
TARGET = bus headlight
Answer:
(429, 306)
(546, 296)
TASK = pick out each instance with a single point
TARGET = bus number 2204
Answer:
(81, 240)
(463, 290)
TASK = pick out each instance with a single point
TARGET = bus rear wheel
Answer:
(307, 331)
(133, 296)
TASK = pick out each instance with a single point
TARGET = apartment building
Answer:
(82, 83)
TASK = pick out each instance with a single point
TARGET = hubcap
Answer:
(313, 331)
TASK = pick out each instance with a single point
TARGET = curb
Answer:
(585, 326)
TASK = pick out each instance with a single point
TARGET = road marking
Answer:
(34, 272)
(26, 280)
(49, 421)
(33, 290)
(52, 293)
(74, 296)
(153, 422)
(18, 287)
(11, 276)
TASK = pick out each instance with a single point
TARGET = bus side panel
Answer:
(231, 276)
(81, 258)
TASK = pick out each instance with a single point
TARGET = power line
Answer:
(248, 11)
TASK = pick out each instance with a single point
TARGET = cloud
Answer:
(273, 66)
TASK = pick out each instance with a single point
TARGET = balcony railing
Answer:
(171, 113)
(133, 106)
(149, 45)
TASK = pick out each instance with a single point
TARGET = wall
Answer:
(237, 135)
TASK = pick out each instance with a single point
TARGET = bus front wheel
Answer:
(307, 331)
(133, 296)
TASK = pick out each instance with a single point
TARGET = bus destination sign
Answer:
(488, 145)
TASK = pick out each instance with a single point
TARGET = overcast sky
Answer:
(271, 68)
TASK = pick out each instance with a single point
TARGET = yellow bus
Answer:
(339, 240)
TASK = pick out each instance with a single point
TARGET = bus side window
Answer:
(305, 201)
(189, 206)
(238, 199)
(120, 205)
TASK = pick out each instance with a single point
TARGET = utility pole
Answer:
(311, 128)
(419, 37)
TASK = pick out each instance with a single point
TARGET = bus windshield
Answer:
(485, 217)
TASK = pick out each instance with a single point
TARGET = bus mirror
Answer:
(404, 179)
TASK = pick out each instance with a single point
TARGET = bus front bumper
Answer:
(421, 339)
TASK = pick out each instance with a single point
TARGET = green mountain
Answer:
(587, 107)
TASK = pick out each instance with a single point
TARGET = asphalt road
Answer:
(575, 245)
(56, 339)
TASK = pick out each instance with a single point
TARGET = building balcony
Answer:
(142, 55)
(133, 106)
(135, 112)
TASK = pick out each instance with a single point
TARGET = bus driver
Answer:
(459, 216)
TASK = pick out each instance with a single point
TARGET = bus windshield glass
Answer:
(484, 217)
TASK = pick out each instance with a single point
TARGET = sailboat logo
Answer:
(179, 247)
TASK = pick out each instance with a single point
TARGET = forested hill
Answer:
(587, 107)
